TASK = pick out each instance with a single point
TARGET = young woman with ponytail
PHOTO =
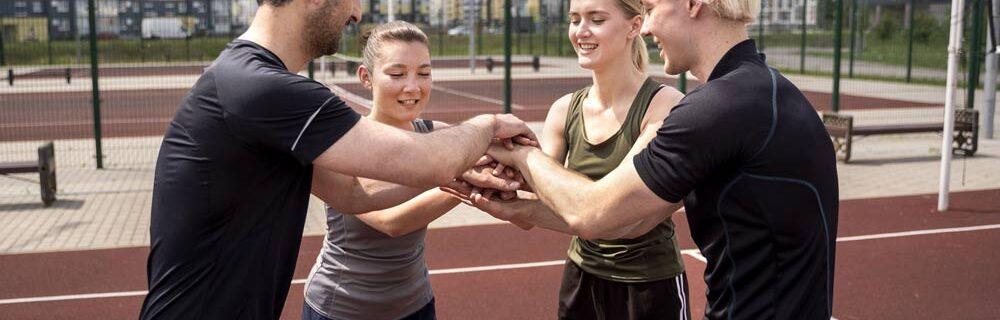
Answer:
(638, 274)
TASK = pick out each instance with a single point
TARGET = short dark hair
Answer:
(273, 3)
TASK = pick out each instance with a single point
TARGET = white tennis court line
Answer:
(477, 97)
(75, 297)
(691, 252)
(350, 96)
(695, 253)
(917, 233)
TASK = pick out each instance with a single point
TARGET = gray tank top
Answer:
(362, 273)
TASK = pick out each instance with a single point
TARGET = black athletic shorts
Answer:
(584, 296)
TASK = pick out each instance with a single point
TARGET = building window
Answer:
(61, 6)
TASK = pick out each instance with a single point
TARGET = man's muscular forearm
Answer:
(353, 195)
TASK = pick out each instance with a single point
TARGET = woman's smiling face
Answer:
(401, 80)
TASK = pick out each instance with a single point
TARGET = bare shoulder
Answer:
(661, 104)
(561, 106)
(557, 113)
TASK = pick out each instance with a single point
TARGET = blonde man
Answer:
(745, 153)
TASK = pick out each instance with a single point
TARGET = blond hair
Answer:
(740, 10)
(397, 30)
(640, 56)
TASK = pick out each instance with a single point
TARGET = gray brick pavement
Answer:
(110, 208)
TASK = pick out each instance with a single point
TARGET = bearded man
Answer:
(235, 168)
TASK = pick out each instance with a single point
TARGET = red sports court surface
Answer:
(897, 258)
(126, 113)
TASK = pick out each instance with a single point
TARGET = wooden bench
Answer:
(46, 168)
(842, 130)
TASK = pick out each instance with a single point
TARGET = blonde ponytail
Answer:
(640, 56)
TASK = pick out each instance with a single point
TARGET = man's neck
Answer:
(273, 29)
(709, 53)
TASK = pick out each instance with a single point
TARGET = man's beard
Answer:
(323, 30)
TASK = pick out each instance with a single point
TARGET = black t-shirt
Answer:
(232, 185)
(751, 160)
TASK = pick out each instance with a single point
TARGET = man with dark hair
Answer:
(235, 169)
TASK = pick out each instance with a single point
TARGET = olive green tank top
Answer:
(650, 257)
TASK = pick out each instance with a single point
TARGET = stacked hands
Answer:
(491, 185)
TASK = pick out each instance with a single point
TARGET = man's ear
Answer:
(695, 7)
(365, 76)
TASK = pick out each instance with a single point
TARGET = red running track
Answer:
(942, 275)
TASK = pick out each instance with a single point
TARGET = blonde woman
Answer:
(638, 273)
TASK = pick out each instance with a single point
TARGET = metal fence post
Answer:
(190, 33)
(471, 11)
(95, 90)
(760, 28)
(562, 18)
(802, 43)
(479, 30)
(142, 38)
(854, 31)
(989, 107)
(3, 55)
(838, 14)
(441, 32)
(506, 56)
(48, 29)
(545, 32)
(531, 37)
(909, 42)
(975, 54)
(517, 31)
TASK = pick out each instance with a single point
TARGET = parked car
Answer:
(163, 28)
(458, 31)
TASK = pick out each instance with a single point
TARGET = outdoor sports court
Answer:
(875, 64)
(897, 259)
